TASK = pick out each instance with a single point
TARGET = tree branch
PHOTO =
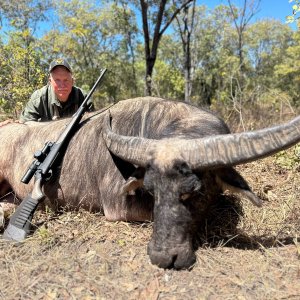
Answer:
(174, 15)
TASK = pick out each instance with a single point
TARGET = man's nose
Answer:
(62, 84)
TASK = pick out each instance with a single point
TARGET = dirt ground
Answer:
(78, 255)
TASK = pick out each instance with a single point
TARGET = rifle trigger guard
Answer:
(49, 175)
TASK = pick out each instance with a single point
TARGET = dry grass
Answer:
(79, 255)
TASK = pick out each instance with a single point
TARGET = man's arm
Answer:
(32, 110)
(8, 121)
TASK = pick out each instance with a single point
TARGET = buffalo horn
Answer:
(129, 148)
(233, 149)
(212, 151)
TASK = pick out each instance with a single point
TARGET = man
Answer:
(59, 98)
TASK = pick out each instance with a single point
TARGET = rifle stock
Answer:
(20, 222)
(41, 168)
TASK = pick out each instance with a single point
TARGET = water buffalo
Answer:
(145, 159)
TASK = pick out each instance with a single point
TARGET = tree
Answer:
(296, 9)
(241, 18)
(160, 15)
(24, 14)
(21, 72)
(185, 27)
(22, 67)
(288, 71)
(130, 31)
(266, 42)
(213, 55)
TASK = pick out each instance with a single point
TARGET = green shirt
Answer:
(44, 105)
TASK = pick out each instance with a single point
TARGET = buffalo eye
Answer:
(191, 186)
(182, 168)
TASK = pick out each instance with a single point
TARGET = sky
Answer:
(271, 9)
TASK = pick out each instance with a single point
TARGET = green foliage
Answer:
(24, 14)
(21, 72)
(296, 9)
(288, 159)
(267, 43)
(167, 81)
(288, 71)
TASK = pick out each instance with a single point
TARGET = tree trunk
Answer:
(185, 34)
(187, 73)
(150, 61)
(151, 45)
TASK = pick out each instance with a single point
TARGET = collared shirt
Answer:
(44, 105)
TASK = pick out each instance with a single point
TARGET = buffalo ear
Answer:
(131, 185)
(135, 181)
(230, 180)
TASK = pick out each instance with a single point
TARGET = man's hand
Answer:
(8, 122)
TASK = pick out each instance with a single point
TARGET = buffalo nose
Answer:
(172, 258)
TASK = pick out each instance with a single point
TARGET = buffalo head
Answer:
(180, 173)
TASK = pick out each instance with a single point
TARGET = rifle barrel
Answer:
(88, 96)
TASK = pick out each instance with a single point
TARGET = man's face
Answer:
(61, 81)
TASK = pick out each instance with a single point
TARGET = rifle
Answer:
(42, 169)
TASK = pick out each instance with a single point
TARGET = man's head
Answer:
(61, 79)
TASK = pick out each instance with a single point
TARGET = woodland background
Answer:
(174, 49)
